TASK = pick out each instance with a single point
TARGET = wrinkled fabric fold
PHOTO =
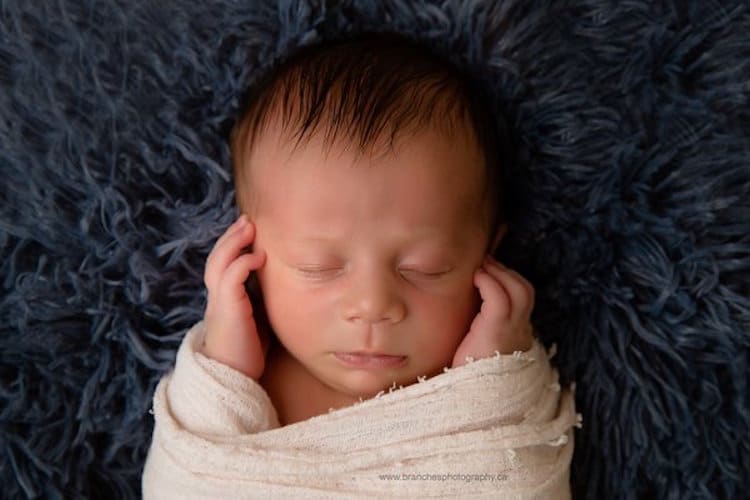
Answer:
(496, 427)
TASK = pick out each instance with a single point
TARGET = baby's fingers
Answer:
(518, 289)
(496, 303)
(232, 284)
(232, 229)
(226, 250)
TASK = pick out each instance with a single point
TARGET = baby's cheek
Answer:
(464, 301)
(271, 274)
(437, 345)
(275, 292)
(462, 312)
(451, 316)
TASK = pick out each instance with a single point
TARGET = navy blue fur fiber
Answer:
(631, 216)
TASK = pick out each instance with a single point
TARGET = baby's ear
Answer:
(499, 235)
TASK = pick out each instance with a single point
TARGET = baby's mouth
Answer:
(369, 360)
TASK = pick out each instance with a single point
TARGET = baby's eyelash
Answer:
(431, 275)
(315, 271)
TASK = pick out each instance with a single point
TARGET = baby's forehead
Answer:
(424, 173)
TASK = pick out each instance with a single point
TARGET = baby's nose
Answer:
(374, 300)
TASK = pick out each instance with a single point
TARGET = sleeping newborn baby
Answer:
(368, 175)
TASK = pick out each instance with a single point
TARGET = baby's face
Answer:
(368, 259)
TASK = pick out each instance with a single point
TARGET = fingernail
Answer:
(243, 220)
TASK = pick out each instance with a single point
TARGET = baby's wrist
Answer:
(241, 353)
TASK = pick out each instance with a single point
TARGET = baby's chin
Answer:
(365, 384)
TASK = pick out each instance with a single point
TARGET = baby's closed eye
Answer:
(422, 273)
(318, 270)
(332, 271)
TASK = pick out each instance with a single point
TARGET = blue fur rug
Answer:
(632, 216)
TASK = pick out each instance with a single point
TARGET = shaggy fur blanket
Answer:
(632, 216)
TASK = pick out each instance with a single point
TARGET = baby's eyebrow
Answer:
(323, 239)
(436, 233)
(436, 236)
(307, 241)
(435, 242)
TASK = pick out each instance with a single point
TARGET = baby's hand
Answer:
(503, 323)
(231, 333)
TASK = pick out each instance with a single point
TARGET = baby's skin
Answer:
(372, 264)
(502, 324)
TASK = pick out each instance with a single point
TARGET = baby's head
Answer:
(371, 169)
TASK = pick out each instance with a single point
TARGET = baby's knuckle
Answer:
(528, 292)
(494, 285)
(531, 294)
(495, 309)
(495, 299)
(223, 284)
(523, 289)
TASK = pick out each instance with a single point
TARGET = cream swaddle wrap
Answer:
(499, 427)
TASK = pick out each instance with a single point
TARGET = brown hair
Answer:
(361, 88)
